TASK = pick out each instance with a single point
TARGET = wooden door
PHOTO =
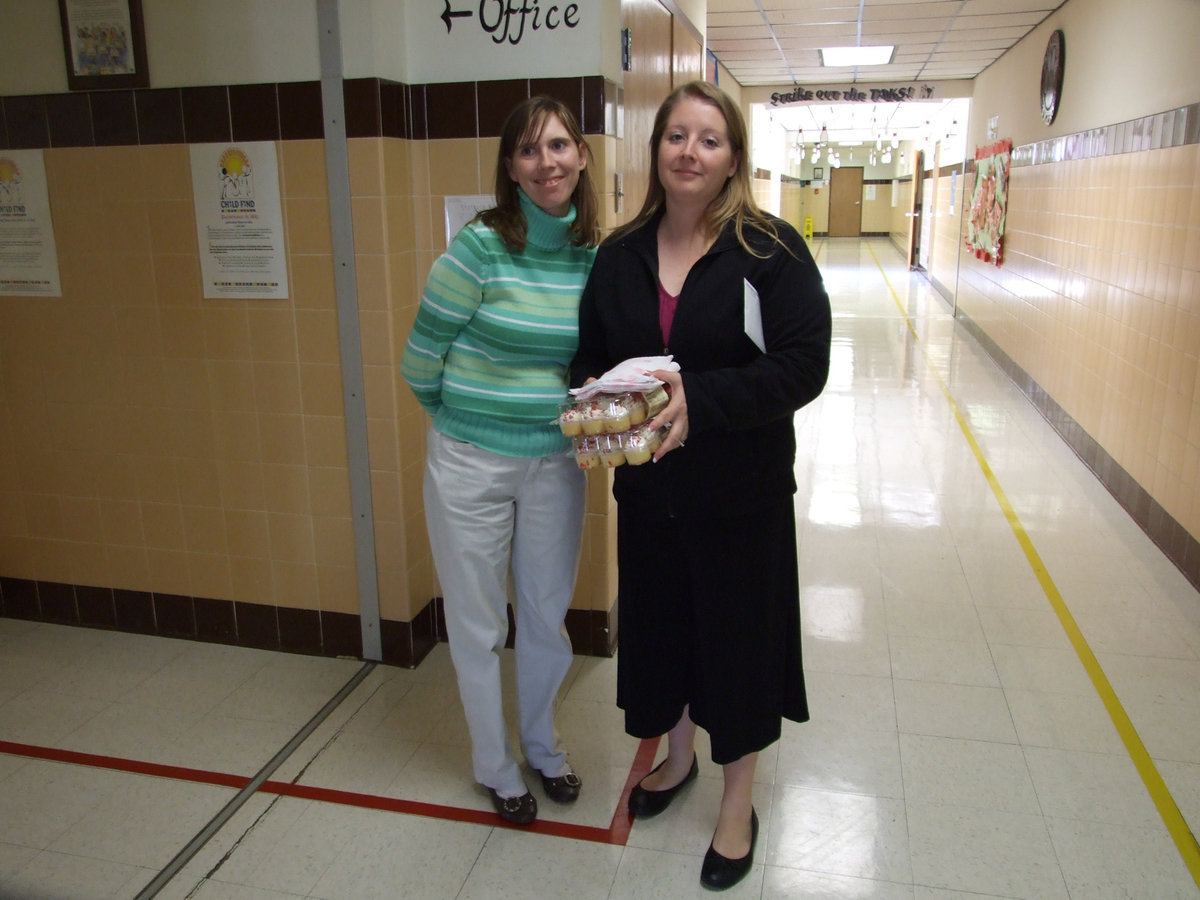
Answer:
(915, 215)
(687, 50)
(647, 84)
(845, 202)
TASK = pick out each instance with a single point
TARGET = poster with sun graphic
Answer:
(239, 221)
(28, 254)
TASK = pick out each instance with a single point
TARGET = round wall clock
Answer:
(1052, 76)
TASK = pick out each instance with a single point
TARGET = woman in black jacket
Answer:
(708, 585)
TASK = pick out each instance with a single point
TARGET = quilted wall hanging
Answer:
(989, 202)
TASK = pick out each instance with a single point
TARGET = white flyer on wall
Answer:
(239, 220)
(461, 209)
(28, 255)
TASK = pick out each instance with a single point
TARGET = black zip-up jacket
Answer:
(741, 441)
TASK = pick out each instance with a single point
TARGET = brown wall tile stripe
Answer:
(287, 111)
(308, 631)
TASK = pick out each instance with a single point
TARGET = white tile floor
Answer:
(960, 744)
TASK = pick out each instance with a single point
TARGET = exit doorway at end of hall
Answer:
(845, 202)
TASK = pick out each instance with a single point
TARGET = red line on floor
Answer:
(616, 833)
(643, 760)
(120, 764)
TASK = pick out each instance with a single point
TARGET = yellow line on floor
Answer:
(1185, 840)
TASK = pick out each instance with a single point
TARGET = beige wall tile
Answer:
(295, 584)
(321, 390)
(273, 334)
(397, 168)
(177, 281)
(405, 286)
(172, 227)
(317, 336)
(311, 283)
(88, 564)
(385, 495)
(164, 526)
(243, 486)
(199, 482)
(231, 385)
(247, 533)
(329, 492)
(282, 440)
(401, 231)
(366, 167)
(369, 224)
(277, 386)
(81, 519)
(334, 541)
(165, 172)
(132, 275)
(454, 167)
(251, 580)
(379, 386)
(209, 575)
(204, 532)
(286, 490)
(337, 589)
(226, 332)
(418, 167)
(291, 538)
(382, 443)
(237, 436)
(325, 441)
(121, 522)
(302, 169)
(129, 568)
(307, 223)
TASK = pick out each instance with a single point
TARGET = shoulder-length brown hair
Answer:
(524, 125)
(736, 200)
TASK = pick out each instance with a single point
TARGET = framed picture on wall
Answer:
(105, 44)
(818, 174)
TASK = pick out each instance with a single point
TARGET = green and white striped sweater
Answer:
(495, 331)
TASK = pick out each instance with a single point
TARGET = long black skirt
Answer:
(709, 619)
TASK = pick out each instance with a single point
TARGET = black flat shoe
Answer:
(643, 803)
(719, 873)
(515, 810)
(564, 789)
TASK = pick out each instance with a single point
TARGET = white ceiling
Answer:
(777, 42)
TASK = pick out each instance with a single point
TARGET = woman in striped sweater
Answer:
(487, 359)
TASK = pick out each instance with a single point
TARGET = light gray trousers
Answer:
(488, 514)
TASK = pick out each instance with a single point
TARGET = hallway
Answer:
(1003, 672)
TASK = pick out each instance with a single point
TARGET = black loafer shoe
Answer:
(564, 789)
(719, 873)
(644, 804)
(515, 810)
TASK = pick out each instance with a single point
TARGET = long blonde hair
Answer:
(525, 124)
(736, 200)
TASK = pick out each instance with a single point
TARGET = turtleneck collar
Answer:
(543, 230)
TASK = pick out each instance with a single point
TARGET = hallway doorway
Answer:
(845, 202)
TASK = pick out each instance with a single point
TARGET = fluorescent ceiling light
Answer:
(837, 57)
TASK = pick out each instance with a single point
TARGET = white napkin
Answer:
(630, 375)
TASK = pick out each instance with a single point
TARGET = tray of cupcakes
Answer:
(611, 429)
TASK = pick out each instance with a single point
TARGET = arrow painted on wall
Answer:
(448, 14)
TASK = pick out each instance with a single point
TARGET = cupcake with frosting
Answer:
(570, 420)
(587, 453)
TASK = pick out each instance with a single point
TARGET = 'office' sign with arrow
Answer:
(508, 20)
